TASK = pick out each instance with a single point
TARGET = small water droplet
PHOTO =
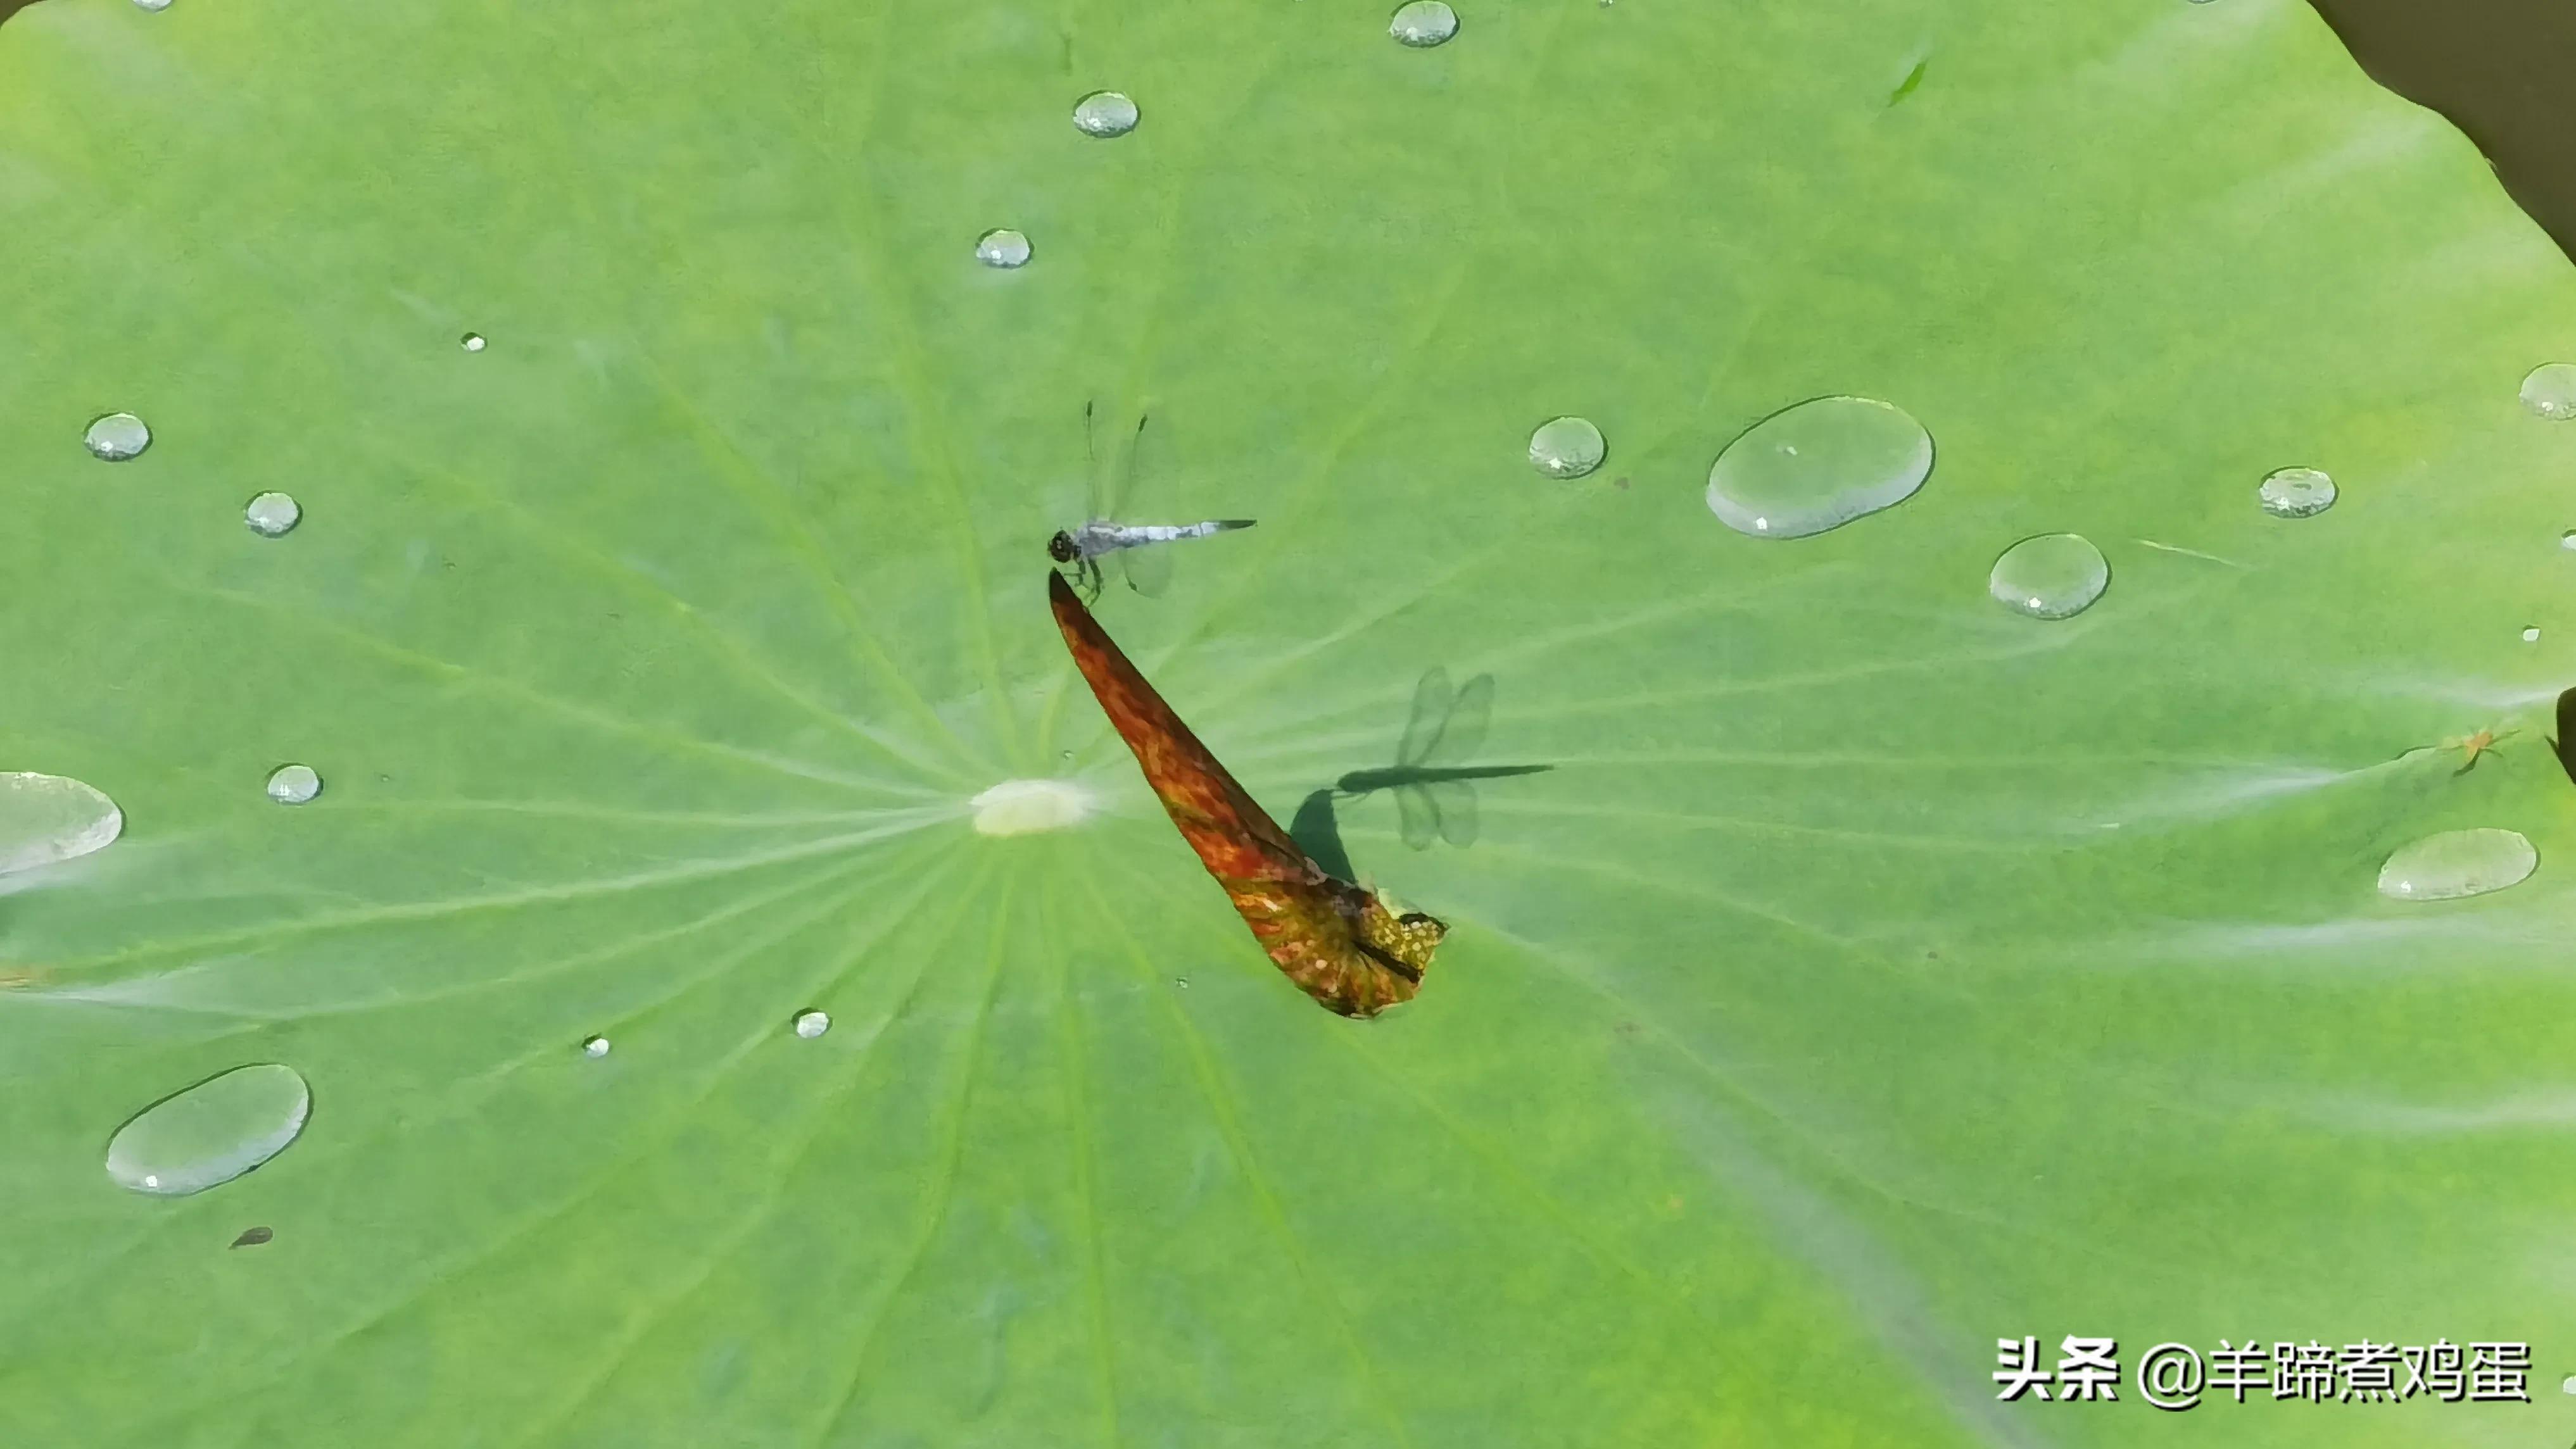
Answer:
(2549, 390)
(1567, 447)
(2531, 634)
(117, 437)
(1818, 465)
(293, 784)
(2053, 576)
(1423, 23)
(1182, 982)
(1104, 114)
(2567, 540)
(1002, 247)
(46, 818)
(594, 1046)
(2296, 492)
(2567, 1385)
(471, 341)
(273, 515)
(2458, 863)
(151, 4)
(811, 1024)
(212, 1132)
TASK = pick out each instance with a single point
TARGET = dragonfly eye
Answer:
(1061, 549)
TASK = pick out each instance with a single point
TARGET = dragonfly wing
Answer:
(1420, 817)
(1469, 715)
(1431, 700)
(1148, 568)
(1456, 802)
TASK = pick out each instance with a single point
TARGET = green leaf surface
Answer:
(1874, 972)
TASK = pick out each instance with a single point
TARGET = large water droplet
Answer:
(1105, 113)
(1024, 807)
(594, 1047)
(1567, 447)
(272, 515)
(117, 437)
(2458, 863)
(1423, 23)
(2053, 576)
(471, 342)
(46, 818)
(2549, 390)
(811, 1024)
(2296, 492)
(151, 4)
(1002, 247)
(293, 784)
(1818, 465)
(211, 1133)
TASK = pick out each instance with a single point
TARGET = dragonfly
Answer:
(1433, 797)
(1352, 949)
(1146, 570)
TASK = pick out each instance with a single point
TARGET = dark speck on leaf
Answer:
(253, 1237)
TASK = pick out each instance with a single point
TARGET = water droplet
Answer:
(211, 1133)
(2568, 539)
(1423, 23)
(2053, 576)
(2296, 492)
(811, 1024)
(273, 515)
(2458, 863)
(1567, 447)
(1817, 465)
(1002, 247)
(1104, 114)
(117, 437)
(293, 784)
(2531, 634)
(1182, 982)
(471, 341)
(2549, 390)
(46, 818)
(1024, 807)
(151, 4)
(594, 1046)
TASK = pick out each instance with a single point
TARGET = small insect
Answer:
(1348, 948)
(2472, 746)
(1147, 571)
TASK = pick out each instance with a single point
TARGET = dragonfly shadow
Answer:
(1435, 795)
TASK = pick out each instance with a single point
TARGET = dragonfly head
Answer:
(1061, 548)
